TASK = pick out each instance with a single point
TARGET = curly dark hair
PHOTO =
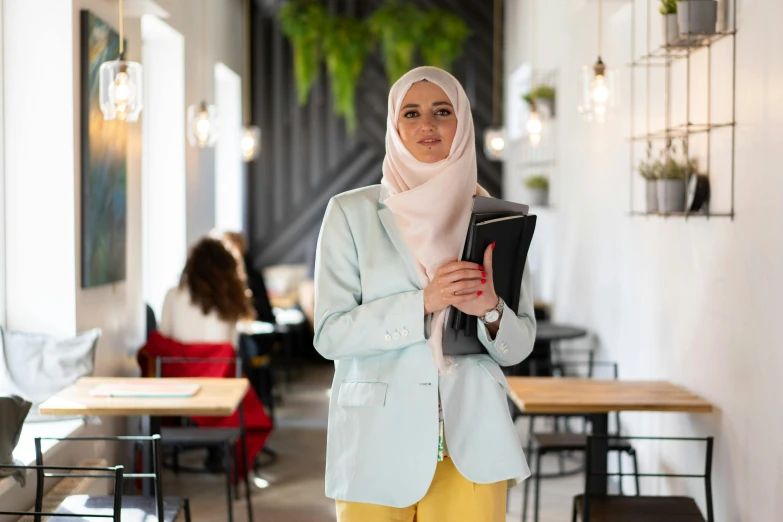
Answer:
(212, 277)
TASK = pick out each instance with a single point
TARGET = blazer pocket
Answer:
(493, 370)
(366, 394)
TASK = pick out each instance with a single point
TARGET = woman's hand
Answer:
(464, 285)
(455, 283)
(484, 299)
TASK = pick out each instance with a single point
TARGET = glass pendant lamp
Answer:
(495, 136)
(120, 85)
(203, 120)
(251, 142)
(598, 86)
(251, 134)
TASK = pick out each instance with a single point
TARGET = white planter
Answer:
(651, 193)
(671, 29)
(697, 16)
(671, 195)
(539, 197)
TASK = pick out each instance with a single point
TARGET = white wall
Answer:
(119, 309)
(2, 186)
(42, 168)
(696, 301)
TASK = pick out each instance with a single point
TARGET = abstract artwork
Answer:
(104, 164)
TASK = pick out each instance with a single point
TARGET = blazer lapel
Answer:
(390, 224)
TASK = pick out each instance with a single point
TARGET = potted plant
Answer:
(346, 44)
(697, 16)
(303, 21)
(398, 26)
(649, 171)
(672, 178)
(446, 34)
(671, 31)
(538, 185)
(541, 94)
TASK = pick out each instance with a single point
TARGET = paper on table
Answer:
(144, 389)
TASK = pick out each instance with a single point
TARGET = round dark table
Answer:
(547, 332)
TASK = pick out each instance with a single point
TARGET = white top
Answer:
(183, 321)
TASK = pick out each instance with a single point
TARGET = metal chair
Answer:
(594, 507)
(181, 437)
(565, 442)
(113, 472)
(164, 509)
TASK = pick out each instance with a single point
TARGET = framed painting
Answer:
(104, 164)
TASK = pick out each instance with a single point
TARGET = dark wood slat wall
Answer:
(307, 157)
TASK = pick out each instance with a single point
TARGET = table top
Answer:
(546, 331)
(216, 398)
(580, 395)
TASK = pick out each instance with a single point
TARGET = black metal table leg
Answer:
(600, 449)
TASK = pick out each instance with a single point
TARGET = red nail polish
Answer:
(479, 292)
(483, 281)
(493, 245)
(481, 267)
(483, 274)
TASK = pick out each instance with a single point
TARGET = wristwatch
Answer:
(494, 314)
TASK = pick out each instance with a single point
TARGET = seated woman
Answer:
(199, 320)
(210, 298)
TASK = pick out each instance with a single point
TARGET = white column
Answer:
(40, 164)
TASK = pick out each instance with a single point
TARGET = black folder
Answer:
(511, 228)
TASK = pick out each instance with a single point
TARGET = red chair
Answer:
(249, 425)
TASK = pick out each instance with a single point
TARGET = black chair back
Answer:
(156, 476)
(236, 361)
(152, 323)
(706, 476)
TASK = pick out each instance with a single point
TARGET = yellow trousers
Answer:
(451, 498)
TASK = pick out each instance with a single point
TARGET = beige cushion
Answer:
(36, 366)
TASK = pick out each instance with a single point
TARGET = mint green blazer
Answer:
(383, 415)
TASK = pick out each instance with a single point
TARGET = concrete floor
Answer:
(296, 490)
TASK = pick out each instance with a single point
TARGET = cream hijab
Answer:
(431, 201)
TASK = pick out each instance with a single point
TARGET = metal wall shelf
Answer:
(680, 131)
(687, 44)
(686, 215)
(663, 57)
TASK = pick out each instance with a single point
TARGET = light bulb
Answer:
(534, 123)
(497, 143)
(122, 94)
(248, 144)
(534, 138)
(202, 127)
(599, 90)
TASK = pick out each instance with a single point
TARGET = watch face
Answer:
(491, 316)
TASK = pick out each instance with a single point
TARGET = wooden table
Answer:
(596, 398)
(216, 398)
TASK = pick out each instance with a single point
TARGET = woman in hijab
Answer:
(414, 435)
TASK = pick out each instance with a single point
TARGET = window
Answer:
(229, 182)
(163, 160)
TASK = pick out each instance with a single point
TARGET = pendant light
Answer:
(120, 85)
(599, 85)
(534, 125)
(495, 136)
(251, 134)
(203, 118)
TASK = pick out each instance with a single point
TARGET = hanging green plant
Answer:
(303, 23)
(346, 44)
(398, 26)
(445, 38)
